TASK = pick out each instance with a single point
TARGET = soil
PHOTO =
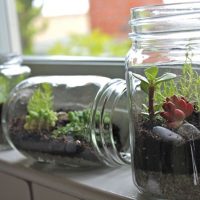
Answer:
(167, 166)
(71, 148)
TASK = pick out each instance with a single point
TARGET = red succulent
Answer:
(176, 109)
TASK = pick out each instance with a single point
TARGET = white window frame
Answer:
(52, 65)
(9, 34)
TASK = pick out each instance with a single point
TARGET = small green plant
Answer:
(189, 83)
(40, 110)
(149, 85)
(187, 86)
(77, 125)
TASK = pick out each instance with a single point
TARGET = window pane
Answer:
(76, 27)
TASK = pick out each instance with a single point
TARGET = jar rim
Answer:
(162, 10)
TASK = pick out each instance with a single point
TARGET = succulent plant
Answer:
(149, 83)
(40, 110)
(176, 109)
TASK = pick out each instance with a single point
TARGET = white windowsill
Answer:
(72, 65)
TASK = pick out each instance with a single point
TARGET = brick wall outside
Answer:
(112, 16)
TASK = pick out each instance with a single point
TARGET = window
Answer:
(76, 27)
(68, 27)
(9, 35)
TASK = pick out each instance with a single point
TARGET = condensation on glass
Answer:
(162, 75)
(69, 120)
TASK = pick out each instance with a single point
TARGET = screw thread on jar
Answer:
(107, 102)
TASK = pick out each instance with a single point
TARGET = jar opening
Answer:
(162, 10)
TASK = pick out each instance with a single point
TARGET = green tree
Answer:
(27, 15)
(96, 43)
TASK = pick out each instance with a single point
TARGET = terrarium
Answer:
(69, 120)
(163, 83)
(11, 73)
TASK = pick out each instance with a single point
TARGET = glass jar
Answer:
(69, 120)
(163, 86)
(11, 73)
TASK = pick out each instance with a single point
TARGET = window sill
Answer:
(90, 184)
(72, 65)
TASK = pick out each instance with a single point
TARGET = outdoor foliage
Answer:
(96, 43)
(27, 15)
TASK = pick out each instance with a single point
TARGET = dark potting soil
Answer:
(72, 146)
(154, 154)
(165, 169)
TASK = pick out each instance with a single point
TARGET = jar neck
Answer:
(167, 32)
(109, 134)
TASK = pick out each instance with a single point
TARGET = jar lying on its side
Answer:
(163, 84)
(69, 120)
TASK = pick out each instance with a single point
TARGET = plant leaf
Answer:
(144, 87)
(151, 73)
(141, 78)
(165, 77)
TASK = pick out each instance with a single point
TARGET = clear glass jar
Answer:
(163, 86)
(69, 120)
(11, 73)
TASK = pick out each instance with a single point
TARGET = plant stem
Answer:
(151, 102)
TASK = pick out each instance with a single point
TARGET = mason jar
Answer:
(163, 86)
(11, 73)
(73, 121)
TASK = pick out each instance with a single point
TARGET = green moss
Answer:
(40, 109)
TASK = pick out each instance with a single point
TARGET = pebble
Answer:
(168, 135)
(62, 116)
(189, 131)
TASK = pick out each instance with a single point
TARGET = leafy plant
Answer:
(40, 109)
(149, 84)
(77, 125)
(176, 109)
(189, 83)
(188, 86)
